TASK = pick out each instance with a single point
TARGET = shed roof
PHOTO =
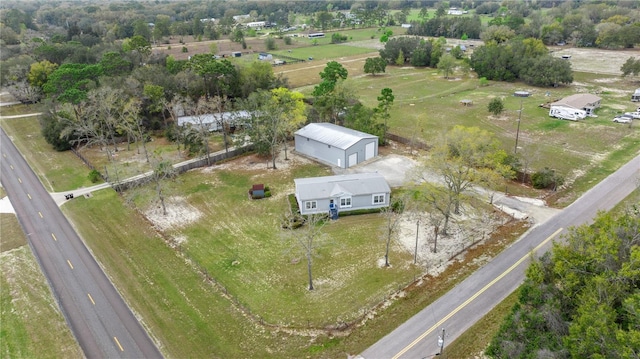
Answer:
(334, 135)
(336, 186)
(578, 101)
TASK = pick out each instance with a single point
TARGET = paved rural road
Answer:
(469, 301)
(99, 318)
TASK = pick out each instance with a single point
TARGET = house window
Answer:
(378, 198)
(310, 204)
(345, 202)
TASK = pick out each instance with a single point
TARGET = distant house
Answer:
(265, 56)
(241, 18)
(455, 11)
(335, 145)
(583, 102)
(213, 121)
(341, 193)
(256, 24)
(636, 96)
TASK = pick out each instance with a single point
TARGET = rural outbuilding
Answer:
(636, 96)
(348, 192)
(335, 145)
(575, 107)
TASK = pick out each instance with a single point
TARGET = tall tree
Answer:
(374, 65)
(581, 299)
(385, 101)
(310, 237)
(273, 115)
(392, 216)
(39, 73)
(464, 157)
(333, 72)
(446, 65)
(139, 48)
(162, 170)
(71, 82)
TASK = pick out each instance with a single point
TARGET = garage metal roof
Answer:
(336, 186)
(333, 135)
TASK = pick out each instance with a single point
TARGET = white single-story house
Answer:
(213, 121)
(342, 192)
(584, 102)
(256, 24)
(335, 145)
(636, 96)
(265, 56)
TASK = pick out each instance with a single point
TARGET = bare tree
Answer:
(464, 157)
(200, 131)
(440, 200)
(392, 216)
(223, 125)
(163, 170)
(309, 237)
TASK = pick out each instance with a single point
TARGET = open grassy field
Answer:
(240, 243)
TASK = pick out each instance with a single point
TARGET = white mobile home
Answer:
(341, 193)
(335, 145)
(214, 121)
(575, 107)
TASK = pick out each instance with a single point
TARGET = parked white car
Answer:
(623, 119)
(635, 115)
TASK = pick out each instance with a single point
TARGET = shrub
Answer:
(483, 81)
(287, 40)
(270, 44)
(546, 178)
(184, 49)
(94, 176)
(338, 38)
(495, 106)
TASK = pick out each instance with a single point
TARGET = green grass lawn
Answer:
(322, 52)
(237, 237)
(58, 171)
(427, 105)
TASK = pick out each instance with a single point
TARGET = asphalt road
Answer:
(469, 301)
(99, 318)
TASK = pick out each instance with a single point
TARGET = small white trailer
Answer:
(567, 113)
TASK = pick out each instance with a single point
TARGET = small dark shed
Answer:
(257, 191)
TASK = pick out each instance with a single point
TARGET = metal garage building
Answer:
(335, 145)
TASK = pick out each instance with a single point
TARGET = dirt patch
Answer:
(179, 214)
(595, 60)
(436, 253)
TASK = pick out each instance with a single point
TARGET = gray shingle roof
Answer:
(336, 186)
(334, 135)
(578, 101)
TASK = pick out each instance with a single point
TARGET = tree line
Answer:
(580, 300)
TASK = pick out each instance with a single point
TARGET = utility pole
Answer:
(515, 150)
(415, 254)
